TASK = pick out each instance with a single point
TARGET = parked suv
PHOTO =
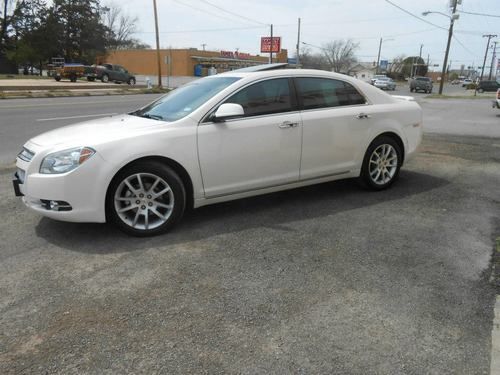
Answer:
(421, 83)
(488, 86)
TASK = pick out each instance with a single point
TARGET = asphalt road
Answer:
(22, 119)
(324, 279)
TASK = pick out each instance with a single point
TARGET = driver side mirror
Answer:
(227, 111)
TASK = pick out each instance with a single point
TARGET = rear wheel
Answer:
(381, 163)
(146, 199)
(131, 81)
(57, 78)
(105, 78)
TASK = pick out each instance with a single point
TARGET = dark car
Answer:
(422, 84)
(488, 86)
(112, 73)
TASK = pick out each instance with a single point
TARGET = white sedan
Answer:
(220, 138)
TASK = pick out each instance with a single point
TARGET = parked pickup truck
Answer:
(421, 84)
(111, 73)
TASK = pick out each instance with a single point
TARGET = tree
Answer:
(414, 66)
(121, 27)
(395, 69)
(340, 54)
(83, 36)
(3, 30)
(25, 24)
(310, 60)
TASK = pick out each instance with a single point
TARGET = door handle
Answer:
(362, 116)
(288, 124)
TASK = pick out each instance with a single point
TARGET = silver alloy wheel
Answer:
(383, 164)
(144, 201)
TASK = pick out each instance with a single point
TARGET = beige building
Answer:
(186, 62)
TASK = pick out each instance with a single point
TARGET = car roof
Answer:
(285, 73)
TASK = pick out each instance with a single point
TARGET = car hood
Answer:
(98, 131)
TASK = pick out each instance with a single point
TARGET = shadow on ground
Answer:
(272, 210)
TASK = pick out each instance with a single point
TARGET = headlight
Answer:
(65, 161)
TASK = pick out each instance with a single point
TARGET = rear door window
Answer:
(326, 93)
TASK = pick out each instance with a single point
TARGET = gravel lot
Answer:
(324, 279)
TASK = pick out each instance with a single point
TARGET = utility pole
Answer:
(493, 59)
(203, 46)
(271, 47)
(298, 47)
(450, 35)
(489, 36)
(418, 62)
(157, 44)
(378, 57)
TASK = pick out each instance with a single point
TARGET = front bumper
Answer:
(83, 189)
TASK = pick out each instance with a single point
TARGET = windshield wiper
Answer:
(153, 117)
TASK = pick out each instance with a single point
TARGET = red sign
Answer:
(265, 44)
(235, 55)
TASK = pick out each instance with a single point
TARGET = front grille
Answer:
(26, 154)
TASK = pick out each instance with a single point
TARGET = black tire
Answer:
(57, 78)
(366, 177)
(90, 79)
(151, 171)
(105, 78)
(411, 90)
(73, 78)
(131, 81)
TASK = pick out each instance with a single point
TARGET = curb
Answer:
(27, 94)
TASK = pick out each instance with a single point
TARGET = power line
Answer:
(203, 10)
(415, 16)
(464, 46)
(480, 14)
(202, 30)
(232, 13)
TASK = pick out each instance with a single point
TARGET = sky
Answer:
(239, 24)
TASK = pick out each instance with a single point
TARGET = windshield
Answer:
(184, 100)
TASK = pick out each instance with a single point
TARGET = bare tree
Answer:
(311, 60)
(121, 26)
(397, 64)
(340, 54)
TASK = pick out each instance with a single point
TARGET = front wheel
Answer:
(105, 78)
(381, 163)
(146, 199)
(131, 81)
